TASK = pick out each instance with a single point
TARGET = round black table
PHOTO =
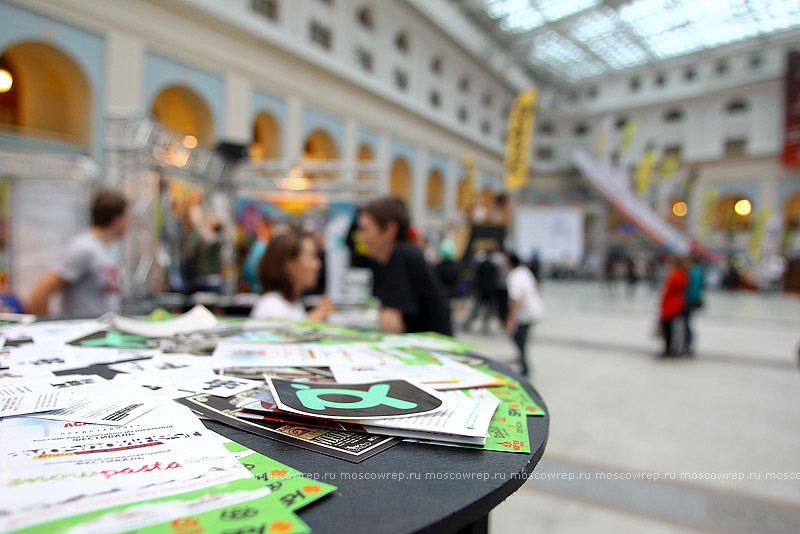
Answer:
(410, 487)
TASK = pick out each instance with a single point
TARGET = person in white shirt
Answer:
(289, 266)
(526, 305)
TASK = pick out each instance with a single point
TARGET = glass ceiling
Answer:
(578, 39)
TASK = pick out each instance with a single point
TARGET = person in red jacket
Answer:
(673, 300)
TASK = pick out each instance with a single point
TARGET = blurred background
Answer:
(594, 138)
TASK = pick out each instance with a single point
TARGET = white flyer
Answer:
(219, 386)
(34, 402)
(463, 421)
(198, 318)
(447, 374)
(231, 354)
(72, 381)
(105, 404)
(89, 468)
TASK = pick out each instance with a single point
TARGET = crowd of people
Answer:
(416, 293)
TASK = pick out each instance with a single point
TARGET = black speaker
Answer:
(232, 152)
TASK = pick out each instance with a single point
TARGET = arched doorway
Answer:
(50, 95)
(791, 211)
(678, 212)
(400, 180)
(266, 137)
(320, 145)
(725, 216)
(183, 111)
(435, 199)
(364, 154)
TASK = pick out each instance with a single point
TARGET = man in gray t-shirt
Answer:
(87, 273)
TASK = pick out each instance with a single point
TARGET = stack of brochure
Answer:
(91, 439)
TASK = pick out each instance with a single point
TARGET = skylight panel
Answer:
(600, 31)
(562, 55)
(516, 16)
(558, 9)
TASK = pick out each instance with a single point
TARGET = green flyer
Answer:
(512, 392)
(508, 431)
(289, 487)
(213, 509)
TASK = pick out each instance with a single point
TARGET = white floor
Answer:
(721, 430)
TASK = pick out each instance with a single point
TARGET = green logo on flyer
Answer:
(376, 395)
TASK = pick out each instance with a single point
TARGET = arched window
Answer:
(401, 42)
(266, 137)
(184, 111)
(400, 180)
(436, 65)
(673, 115)
(581, 129)
(736, 106)
(49, 94)
(435, 200)
(364, 17)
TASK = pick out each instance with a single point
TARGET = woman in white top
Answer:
(289, 266)
(526, 306)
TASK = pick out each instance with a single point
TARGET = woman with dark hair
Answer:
(289, 266)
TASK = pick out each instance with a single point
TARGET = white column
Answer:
(349, 142)
(294, 127)
(419, 188)
(238, 92)
(124, 68)
(384, 164)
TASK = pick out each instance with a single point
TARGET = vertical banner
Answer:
(518, 139)
(791, 136)
(669, 166)
(709, 203)
(757, 238)
(601, 139)
(628, 131)
(644, 172)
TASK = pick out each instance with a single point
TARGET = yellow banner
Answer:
(669, 166)
(757, 239)
(644, 172)
(709, 203)
(469, 187)
(627, 135)
(518, 139)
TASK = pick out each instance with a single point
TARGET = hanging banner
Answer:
(691, 181)
(518, 139)
(709, 203)
(601, 139)
(791, 136)
(757, 238)
(627, 135)
(668, 166)
(470, 187)
(644, 172)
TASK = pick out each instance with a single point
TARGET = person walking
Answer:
(694, 301)
(485, 290)
(673, 302)
(525, 308)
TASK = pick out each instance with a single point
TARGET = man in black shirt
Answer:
(411, 296)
